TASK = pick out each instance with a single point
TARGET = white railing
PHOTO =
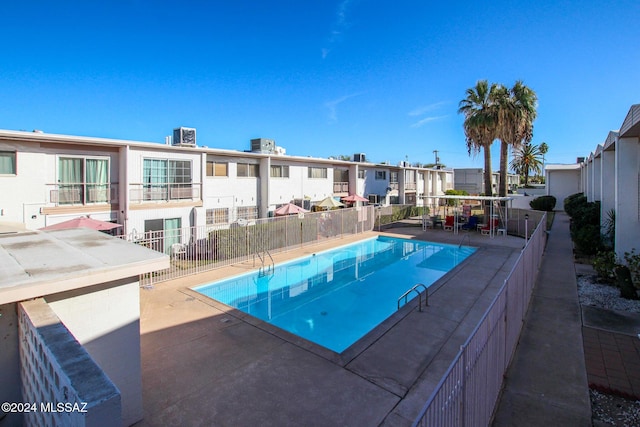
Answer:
(468, 392)
(195, 250)
(82, 193)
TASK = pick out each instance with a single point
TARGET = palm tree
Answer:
(480, 120)
(526, 158)
(517, 112)
(544, 149)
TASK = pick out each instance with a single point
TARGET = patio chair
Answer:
(472, 224)
(448, 223)
(178, 250)
(488, 227)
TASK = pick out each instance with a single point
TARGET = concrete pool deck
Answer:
(204, 364)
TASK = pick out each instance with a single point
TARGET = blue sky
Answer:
(322, 78)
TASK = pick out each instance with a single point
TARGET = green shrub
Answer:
(605, 264)
(587, 214)
(633, 263)
(543, 203)
(573, 202)
(587, 239)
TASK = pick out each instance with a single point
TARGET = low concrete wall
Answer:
(105, 319)
(56, 370)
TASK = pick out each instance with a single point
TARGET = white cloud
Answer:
(426, 120)
(339, 27)
(426, 108)
(332, 106)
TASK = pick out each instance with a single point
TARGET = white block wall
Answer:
(105, 319)
(55, 369)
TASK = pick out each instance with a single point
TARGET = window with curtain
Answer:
(217, 168)
(279, 171)
(340, 175)
(393, 177)
(217, 216)
(361, 173)
(70, 180)
(97, 178)
(154, 179)
(381, 174)
(247, 212)
(248, 170)
(83, 180)
(166, 179)
(7, 163)
(317, 172)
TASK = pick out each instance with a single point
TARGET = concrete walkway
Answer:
(546, 383)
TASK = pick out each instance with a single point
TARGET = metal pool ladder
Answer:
(415, 289)
(263, 259)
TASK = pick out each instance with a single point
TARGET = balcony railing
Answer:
(340, 187)
(393, 185)
(410, 186)
(69, 194)
(139, 193)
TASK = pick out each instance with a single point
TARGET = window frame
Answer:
(316, 170)
(14, 163)
(284, 171)
(249, 167)
(381, 175)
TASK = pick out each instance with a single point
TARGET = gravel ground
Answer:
(609, 410)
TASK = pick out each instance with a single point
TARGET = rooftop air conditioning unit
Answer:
(263, 145)
(184, 137)
(359, 157)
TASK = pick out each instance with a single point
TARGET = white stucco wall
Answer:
(105, 319)
(562, 183)
(627, 195)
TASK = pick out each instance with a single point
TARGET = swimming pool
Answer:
(334, 298)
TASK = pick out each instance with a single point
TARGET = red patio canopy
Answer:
(354, 198)
(83, 222)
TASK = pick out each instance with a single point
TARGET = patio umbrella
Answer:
(351, 198)
(83, 222)
(289, 209)
(329, 202)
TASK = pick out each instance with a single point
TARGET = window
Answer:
(361, 173)
(317, 172)
(218, 216)
(381, 174)
(393, 177)
(340, 175)
(82, 180)
(279, 171)
(248, 170)
(217, 168)
(7, 163)
(166, 179)
(247, 212)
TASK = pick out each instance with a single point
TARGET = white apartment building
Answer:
(47, 179)
(471, 180)
(611, 175)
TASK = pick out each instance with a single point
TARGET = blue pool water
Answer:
(334, 298)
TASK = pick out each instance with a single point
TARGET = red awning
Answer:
(83, 222)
